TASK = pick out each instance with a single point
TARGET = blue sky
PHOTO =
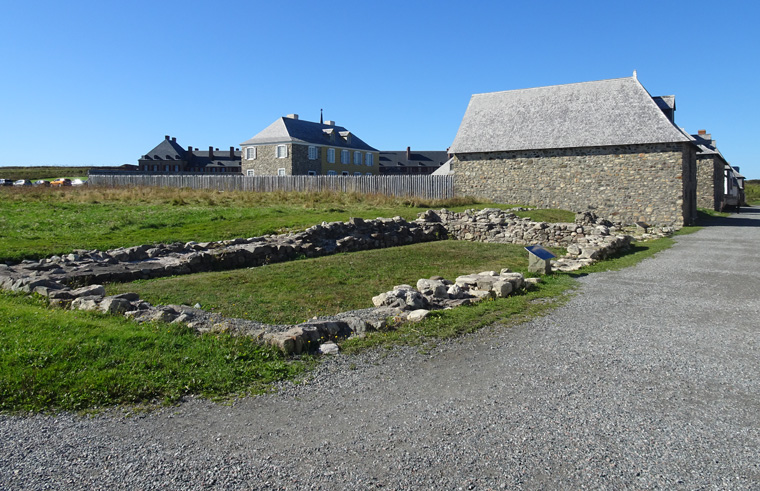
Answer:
(101, 83)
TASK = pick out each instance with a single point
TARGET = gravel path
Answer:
(648, 378)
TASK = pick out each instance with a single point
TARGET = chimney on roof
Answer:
(292, 116)
(408, 153)
(174, 139)
(330, 123)
(190, 151)
(211, 153)
(232, 153)
(702, 132)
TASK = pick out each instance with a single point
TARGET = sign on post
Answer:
(539, 259)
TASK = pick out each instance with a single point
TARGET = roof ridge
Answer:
(559, 85)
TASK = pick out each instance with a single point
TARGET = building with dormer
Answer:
(291, 146)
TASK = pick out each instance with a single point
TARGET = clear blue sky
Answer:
(102, 82)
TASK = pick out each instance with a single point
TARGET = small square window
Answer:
(331, 173)
(344, 173)
(357, 173)
(312, 173)
(249, 172)
(281, 171)
(369, 173)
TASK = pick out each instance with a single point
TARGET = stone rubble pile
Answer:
(587, 240)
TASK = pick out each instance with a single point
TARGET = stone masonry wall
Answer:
(627, 183)
(266, 162)
(709, 182)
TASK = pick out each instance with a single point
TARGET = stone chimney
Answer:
(166, 137)
(330, 123)
(174, 139)
(702, 132)
(190, 151)
(232, 153)
(211, 153)
(408, 153)
(292, 116)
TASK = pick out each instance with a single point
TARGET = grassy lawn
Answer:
(292, 292)
(752, 192)
(52, 360)
(36, 223)
(63, 360)
(47, 173)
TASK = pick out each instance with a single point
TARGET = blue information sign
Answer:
(540, 252)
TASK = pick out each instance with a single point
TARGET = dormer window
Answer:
(329, 134)
(346, 135)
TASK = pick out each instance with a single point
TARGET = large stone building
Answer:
(606, 146)
(291, 146)
(168, 157)
(715, 180)
(408, 162)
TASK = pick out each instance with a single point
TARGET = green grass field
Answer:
(43, 172)
(752, 192)
(53, 360)
(36, 223)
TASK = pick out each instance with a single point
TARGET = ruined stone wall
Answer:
(626, 183)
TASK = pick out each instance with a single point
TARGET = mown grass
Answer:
(54, 360)
(40, 222)
(292, 292)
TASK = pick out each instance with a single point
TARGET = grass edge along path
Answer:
(79, 361)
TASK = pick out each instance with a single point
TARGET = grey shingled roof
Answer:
(167, 150)
(288, 130)
(419, 158)
(602, 113)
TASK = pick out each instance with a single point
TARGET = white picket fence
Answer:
(424, 187)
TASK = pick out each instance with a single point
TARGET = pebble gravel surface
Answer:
(647, 378)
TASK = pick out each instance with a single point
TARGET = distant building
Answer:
(606, 146)
(411, 162)
(291, 146)
(168, 157)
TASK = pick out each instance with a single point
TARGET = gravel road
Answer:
(647, 378)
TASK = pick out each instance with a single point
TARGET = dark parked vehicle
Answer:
(6, 182)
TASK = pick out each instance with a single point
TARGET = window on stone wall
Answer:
(281, 171)
(282, 151)
(370, 159)
(357, 158)
(312, 173)
(312, 152)
(344, 173)
(249, 172)
(344, 157)
(332, 173)
(250, 153)
(331, 155)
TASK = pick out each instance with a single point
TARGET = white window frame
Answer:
(250, 153)
(281, 172)
(281, 151)
(311, 173)
(345, 157)
(313, 154)
(331, 155)
(370, 160)
(250, 172)
(332, 173)
(357, 158)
